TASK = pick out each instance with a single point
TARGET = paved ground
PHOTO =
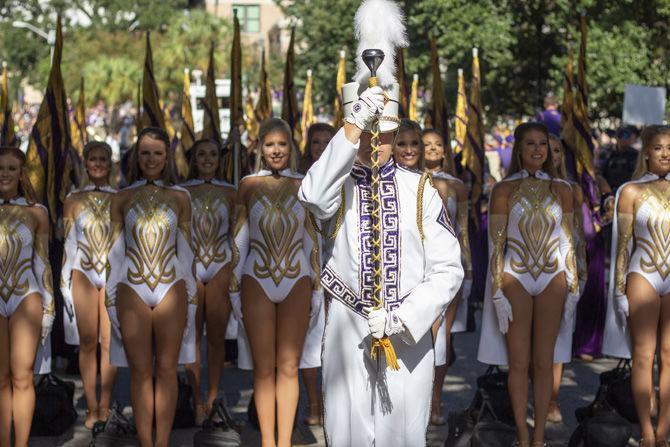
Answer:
(579, 385)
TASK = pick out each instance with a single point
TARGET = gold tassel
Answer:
(385, 345)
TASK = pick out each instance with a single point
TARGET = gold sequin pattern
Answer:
(497, 239)
(12, 267)
(152, 251)
(314, 257)
(463, 239)
(567, 226)
(537, 247)
(623, 251)
(240, 219)
(657, 248)
(208, 242)
(42, 251)
(278, 250)
(96, 241)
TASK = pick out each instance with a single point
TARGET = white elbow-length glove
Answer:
(621, 309)
(503, 310)
(367, 107)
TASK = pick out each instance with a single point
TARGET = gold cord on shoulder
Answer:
(339, 217)
(419, 201)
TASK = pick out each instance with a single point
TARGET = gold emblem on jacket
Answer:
(535, 252)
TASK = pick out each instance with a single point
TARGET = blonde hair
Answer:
(649, 135)
(25, 189)
(521, 131)
(168, 176)
(269, 126)
(407, 125)
(88, 148)
(448, 164)
(561, 170)
(193, 166)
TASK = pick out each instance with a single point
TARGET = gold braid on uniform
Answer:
(419, 202)
(383, 343)
(338, 218)
(567, 225)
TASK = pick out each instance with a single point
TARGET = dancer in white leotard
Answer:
(212, 201)
(26, 296)
(276, 267)
(565, 343)
(151, 292)
(440, 163)
(87, 241)
(639, 299)
(532, 269)
(318, 136)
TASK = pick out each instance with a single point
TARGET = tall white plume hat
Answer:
(379, 24)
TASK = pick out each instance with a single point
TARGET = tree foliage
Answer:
(523, 46)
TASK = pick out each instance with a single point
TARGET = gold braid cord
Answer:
(338, 219)
(419, 202)
(383, 343)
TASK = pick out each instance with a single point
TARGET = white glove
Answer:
(621, 309)
(466, 289)
(394, 324)
(503, 312)
(376, 321)
(114, 320)
(367, 107)
(570, 307)
(317, 302)
(47, 325)
(582, 286)
(190, 317)
(68, 304)
(236, 302)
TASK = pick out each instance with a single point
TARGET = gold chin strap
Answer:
(383, 344)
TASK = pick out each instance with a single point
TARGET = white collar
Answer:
(287, 172)
(92, 187)
(18, 200)
(539, 174)
(198, 182)
(650, 176)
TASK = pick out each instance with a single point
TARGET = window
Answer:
(249, 17)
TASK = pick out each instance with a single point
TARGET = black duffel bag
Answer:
(479, 426)
(116, 431)
(600, 425)
(619, 391)
(218, 430)
(494, 382)
(54, 407)
(184, 415)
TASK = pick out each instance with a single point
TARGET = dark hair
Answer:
(521, 131)
(26, 189)
(155, 133)
(448, 165)
(193, 150)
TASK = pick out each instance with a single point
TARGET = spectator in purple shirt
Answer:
(550, 116)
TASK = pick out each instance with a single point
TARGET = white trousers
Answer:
(365, 403)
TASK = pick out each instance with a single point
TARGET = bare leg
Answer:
(292, 322)
(518, 351)
(548, 310)
(664, 381)
(441, 371)
(217, 313)
(193, 369)
(25, 327)
(309, 376)
(554, 414)
(85, 297)
(135, 321)
(645, 310)
(5, 385)
(259, 318)
(169, 321)
(107, 370)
